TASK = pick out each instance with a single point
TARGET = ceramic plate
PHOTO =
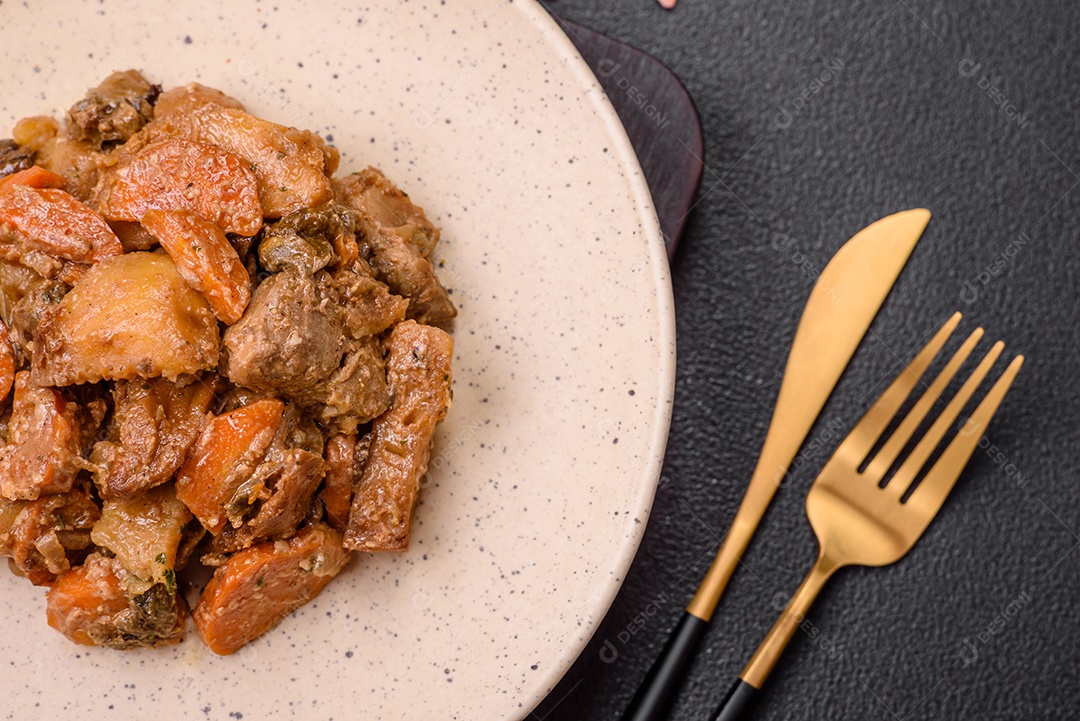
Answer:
(544, 472)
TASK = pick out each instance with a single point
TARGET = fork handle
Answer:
(768, 653)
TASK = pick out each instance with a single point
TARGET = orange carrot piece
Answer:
(34, 177)
(205, 258)
(214, 469)
(7, 361)
(259, 586)
(95, 605)
(179, 174)
(80, 598)
(56, 223)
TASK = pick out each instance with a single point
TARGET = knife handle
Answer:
(738, 700)
(654, 696)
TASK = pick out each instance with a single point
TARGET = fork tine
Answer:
(931, 493)
(909, 469)
(884, 459)
(867, 431)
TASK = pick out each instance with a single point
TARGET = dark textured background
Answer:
(820, 117)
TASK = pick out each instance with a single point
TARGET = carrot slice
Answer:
(34, 177)
(96, 604)
(84, 595)
(230, 448)
(56, 223)
(259, 586)
(7, 361)
(174, 174)
(205, 258)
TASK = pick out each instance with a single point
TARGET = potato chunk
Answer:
(418, 369)
(129, 317)
(261, 585)
(144, 533)
(186, 98)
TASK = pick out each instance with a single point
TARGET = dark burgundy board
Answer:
(659, 117)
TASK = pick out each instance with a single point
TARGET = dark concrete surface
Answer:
(820, 117)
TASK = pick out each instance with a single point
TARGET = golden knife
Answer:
(841, 307)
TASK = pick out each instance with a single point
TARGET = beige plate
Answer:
(546, 468)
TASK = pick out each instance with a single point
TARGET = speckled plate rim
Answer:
(661, 280)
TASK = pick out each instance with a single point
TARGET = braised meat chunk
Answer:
(42, 537)
(272, 503)
(43, 454)
(157, 421)
(396, 238)
(30, 296)
(14, 157)
(366, 306)
(354, 393)
(376, 200)
(298, 341)
(418, 366)
(115, 110)
(288, 339)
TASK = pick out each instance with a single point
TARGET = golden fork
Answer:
(860, 521)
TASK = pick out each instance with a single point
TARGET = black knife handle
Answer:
(655, 694)
(737, 701)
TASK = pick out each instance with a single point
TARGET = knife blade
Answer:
(844, 301)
